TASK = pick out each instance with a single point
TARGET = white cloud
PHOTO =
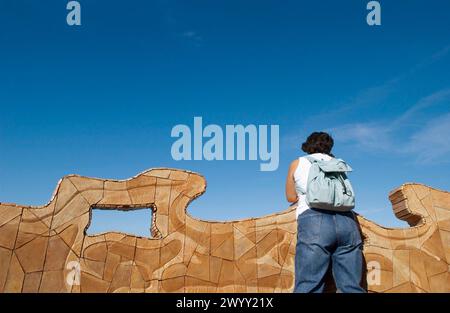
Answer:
(382, 135)
(429, 143)
(189, 34)
(424, 103)
(192, 35)
(366, 135)
(375, 95)
(432, 143)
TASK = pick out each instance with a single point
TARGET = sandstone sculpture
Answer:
(46, 249)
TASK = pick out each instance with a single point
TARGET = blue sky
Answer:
(101, 99)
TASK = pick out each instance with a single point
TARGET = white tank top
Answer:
(301, 178)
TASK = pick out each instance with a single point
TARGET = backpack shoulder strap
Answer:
(310, 159)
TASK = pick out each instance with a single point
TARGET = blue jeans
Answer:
(324, 237)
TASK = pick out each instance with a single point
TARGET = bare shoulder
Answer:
(293, 165)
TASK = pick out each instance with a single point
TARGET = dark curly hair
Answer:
(318, 142)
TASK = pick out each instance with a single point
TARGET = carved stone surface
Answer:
(46, 249)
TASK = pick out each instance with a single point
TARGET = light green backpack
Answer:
(328, 187)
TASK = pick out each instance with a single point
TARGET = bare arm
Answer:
(291, 193)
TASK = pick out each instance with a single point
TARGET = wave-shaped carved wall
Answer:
(46, 249)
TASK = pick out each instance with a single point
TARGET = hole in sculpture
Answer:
(131, 221)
